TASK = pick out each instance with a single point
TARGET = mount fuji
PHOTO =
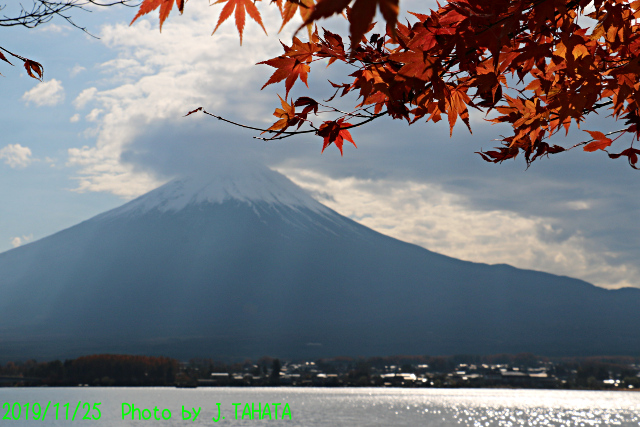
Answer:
(247, 264)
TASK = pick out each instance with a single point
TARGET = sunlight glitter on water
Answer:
(514, 408)
(355, 407)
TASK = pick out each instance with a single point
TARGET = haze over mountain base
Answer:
(247, 264)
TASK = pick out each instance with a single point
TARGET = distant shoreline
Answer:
(520, 371)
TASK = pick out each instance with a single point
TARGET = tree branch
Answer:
(285, 134)
(42, 11)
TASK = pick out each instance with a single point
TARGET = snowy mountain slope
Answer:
(260, 185)
(250, 265)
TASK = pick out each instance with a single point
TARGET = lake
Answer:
(353, 407)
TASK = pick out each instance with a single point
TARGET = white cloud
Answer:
(426, 215)
(16, 156)
(127, 67)
(19, 241)
(77, 69)
(84, 97)
(158, 77)
(74, 118)
(52, 28)
(49, 93)
(93, 115)
(578, 205)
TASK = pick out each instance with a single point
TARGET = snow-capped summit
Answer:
(246, 264)
(249, 185)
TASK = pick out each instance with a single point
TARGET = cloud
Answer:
(427, 215)
(85, 96)
(52, 28)
(49, 93)
(16, 156)
(156, 79)
(75, 118)
(19, 241)
(93, 115)
(77, 69)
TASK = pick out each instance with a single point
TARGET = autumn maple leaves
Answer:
(34, 69)
(332, 131)
(293, 65)
(529, 61)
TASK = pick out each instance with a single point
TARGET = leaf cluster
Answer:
(531, 62)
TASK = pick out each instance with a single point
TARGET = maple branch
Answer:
(286, 134)
(352, 114)
(42, 11)
(31, 66)
(620, 131)
(13, 54)
(596, 106)
(245, 126)
(289, 134)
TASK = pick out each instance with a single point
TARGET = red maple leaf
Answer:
(165, 6)
(601, 141)
(240, 6)
(335, 132)
(309, 105)
(4, 58)
(289, 69)
(632, 155)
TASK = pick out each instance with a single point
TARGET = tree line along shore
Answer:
(503, 370)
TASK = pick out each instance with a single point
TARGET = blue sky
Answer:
(106, 125)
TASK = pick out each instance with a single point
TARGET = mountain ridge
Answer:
(240, 276)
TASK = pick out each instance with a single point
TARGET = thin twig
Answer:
(284, 134)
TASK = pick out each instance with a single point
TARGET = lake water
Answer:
(353, 407)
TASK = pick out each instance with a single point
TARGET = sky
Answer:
(106, 125)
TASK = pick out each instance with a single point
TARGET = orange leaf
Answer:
(165, 6)
(596, 134)
(598, 145)
(598, 32)
(240, 7)
(306, 6)
(288, 12)
(580, 51)
(289, 69)
(601, 141)
(4, 58)
(286, 114)
(561, 50)
(324, 9)
(30, 66)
